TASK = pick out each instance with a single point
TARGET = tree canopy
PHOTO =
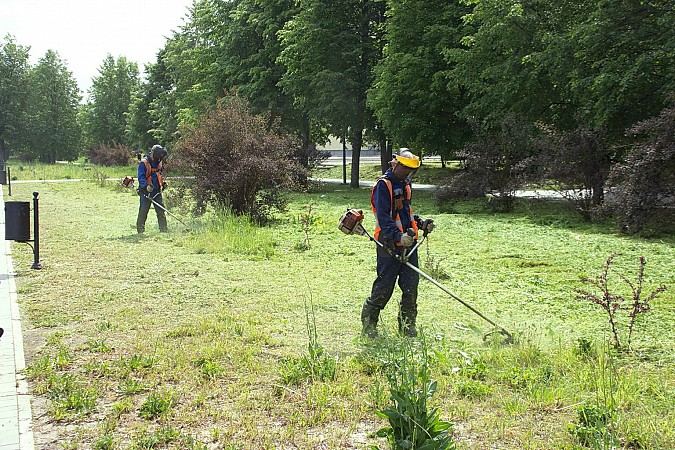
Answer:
(52, 112)
(393, 72)
(112, 92)
(14, 90)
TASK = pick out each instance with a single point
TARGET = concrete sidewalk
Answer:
(16, 431)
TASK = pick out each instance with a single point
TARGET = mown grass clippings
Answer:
(168, 306)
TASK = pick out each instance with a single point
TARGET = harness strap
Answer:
(149, 170)
(394, 211)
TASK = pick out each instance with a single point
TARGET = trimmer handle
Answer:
(404, 257)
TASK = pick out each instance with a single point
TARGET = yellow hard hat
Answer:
(406, 158)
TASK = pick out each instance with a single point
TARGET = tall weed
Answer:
(597, 419)
(612, 302)
(412, 423)
(224, 233)
(317, 364)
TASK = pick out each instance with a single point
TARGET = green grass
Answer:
(21, 171)
(429, 173)
(196, 327)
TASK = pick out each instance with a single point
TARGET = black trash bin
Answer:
(17, 221)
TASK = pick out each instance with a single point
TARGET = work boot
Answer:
(370, 314)
(406, 322)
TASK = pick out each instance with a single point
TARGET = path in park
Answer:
(16, 431)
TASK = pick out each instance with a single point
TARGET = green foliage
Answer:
(105, 442)
(161, 437)
(620, 68)
(504, 59)
(52, 112)
(308, 221)
(245, 313)
(157, 404)
(412, 94)
(251, 65)
(104, 118)
(209, 369)
(130, 387)
(165, 436)
(68, 396)
(136, 362)
(586, 61)
(329, 50)
(596, 424)
(98, 346)
(593, 427)
(188, 78)
(433, 266)
(221, 231)
(14, 90)
(412, 424)
(152, 113)
(473, 389)
(585, 348)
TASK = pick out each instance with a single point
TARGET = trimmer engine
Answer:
(128, 182)
(350, 222)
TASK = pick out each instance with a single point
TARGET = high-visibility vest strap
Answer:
(149, 170)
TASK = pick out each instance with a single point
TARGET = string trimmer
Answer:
(128, 182)
(350, 223)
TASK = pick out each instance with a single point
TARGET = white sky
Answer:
(83, 32)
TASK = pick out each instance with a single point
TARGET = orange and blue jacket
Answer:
(390, 200)
(150, 172)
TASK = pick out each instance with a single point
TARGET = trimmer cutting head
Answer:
(507, 338)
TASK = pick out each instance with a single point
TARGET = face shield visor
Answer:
(406, 164)
(159, 153)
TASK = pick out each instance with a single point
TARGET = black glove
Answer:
(428, 226)
(164, 185)
(149, 188)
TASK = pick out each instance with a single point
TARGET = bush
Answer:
(107, 155)
(579, 161)
(496, 162)
(238, 162)
(646, 180)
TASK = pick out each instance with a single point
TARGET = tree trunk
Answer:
(305, 141)
(385, 155)
(597, 190)
(356, 141)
